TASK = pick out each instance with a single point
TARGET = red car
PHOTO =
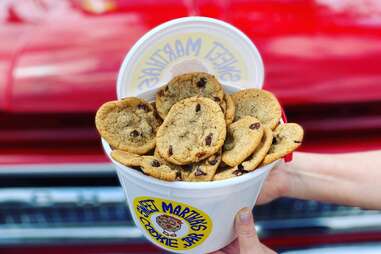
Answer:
(59, 61)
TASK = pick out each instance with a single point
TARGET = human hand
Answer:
(247, 241)
(275, 186)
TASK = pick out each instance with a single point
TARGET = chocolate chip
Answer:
(134, 133)
(187, 167)
(138, 169)
(255, 126)
(213, 161)
(201, 83)
(275, 141)
(178, 175)
(166, 88)
(238, 172)
(155, 163)
(170, 151)
(157, 116)
(200, 154)
(199, 172)
(198, 107)
(297, 142)
(229, 145)
(208, 139)
(223, 166)
(143, 107)
(216, 99)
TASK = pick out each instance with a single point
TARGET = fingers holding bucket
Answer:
(248, 240)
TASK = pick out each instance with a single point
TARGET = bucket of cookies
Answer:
(192, 134)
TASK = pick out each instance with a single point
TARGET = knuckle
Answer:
(248, 233)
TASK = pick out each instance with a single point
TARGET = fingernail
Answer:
(244, 215)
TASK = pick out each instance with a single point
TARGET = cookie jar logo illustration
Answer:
(169, 224)
(173, 225)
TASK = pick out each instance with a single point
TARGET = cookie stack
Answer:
(194, 131)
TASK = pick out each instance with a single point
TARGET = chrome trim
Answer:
(17, 236)
(363, 248)
(368, 222)
(56, 195)
(59, 168)
(71, 232)
(11, 232)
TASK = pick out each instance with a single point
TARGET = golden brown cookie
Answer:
(193, 130)
(252, 162)
(260, 152)
(126, 158)
(201, 171)
(223, 107)
(153, 104)
(230, 109)
(258, 103)
(286, 138)
(243, 137)
(186, 86)
(226, 172)
(150, 165)
(178, 168)
(158, 168)
(129, 124)
(156, 153)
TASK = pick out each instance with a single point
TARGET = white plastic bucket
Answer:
(215, 204)
(189, 217)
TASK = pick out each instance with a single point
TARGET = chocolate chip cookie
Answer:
(250, 163)
(226, 173)
(126, 158)
(186, 86)
(243, 137)
(193, 130)
(129, 124)
(261, 104)
(223, 107)
(201, 171)
(286, 138)
(150, 165)
(260, 152)
(230, 109)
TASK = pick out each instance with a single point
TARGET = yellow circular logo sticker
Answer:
(173, 225)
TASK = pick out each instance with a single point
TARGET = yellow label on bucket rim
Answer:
(172, 225)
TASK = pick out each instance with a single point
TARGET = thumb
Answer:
(247, 236)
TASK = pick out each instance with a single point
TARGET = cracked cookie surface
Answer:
(186, 86)
(243, 137)
(129, 124)
(258, 103)
(226, 172)
(201, 171)
(286, 139)
(250, 163)
(193, 130)
(150, 165)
